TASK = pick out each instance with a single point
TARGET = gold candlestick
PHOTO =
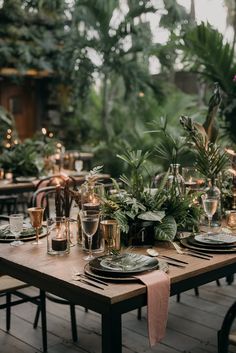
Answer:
(36, 219)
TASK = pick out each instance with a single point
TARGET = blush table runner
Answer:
(158, 292)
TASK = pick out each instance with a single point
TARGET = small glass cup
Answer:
(16, 227)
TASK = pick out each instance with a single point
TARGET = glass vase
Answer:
(212, 190)
(175, 180)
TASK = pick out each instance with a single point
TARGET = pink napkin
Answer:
(158, 292)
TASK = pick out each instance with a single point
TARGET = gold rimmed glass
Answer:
(36, 219)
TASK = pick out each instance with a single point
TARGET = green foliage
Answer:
(202, 45)
(136, 161)
(22, 158)
(210, 158)
(32, 34)
(166, 230)
(185, 212)
(161, 207)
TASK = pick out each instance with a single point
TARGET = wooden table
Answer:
(31, 264)
(18, 188)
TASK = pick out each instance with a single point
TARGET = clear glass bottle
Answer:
(213, 191)
(175, 180)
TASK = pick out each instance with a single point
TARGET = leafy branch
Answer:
(210, 158)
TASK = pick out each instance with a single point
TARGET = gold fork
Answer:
(182, 252)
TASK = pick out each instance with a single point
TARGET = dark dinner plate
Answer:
(190, 243)
(216, 239)
(194, 242)
(28, 234)
(162, 265)
(123, 264)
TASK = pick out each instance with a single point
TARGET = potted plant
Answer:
(23, 158)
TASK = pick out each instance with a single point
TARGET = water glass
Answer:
(16, 227)
(89, 222)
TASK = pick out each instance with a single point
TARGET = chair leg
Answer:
(73, 323)
(178, 298)
(223, 333)
(43, 319)
(218, 283)
(36, 319)
(8, 311)
(196, 291)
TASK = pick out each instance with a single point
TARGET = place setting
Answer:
(16, 230)
(216, 239)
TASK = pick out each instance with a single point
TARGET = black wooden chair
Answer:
(8, 204)
(226, 337)
(11, 287)
(46, 197)
(56, 179)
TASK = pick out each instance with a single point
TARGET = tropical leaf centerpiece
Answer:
(143, 213)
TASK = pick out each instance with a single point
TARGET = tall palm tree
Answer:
(112, 43)
(207, 53)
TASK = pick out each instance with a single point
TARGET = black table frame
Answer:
(111, 312)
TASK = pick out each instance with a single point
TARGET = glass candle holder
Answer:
(58, 242)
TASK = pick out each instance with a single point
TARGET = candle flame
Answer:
(56, 181)
(230, 151)
(231, 170)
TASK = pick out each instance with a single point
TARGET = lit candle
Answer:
(59, 244)
(190, 183)
(9, 176)
(91, 206)
(67, 198)
(58, 201)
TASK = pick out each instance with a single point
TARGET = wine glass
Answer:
(210, 204)
(36, 219)
(89, 222)
(16, 227)
(78, 165)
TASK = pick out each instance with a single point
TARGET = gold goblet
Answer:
(36, 219)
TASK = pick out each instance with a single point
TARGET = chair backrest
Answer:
(8, 204)
(58, 179)
(45, 197)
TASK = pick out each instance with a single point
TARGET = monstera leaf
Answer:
(155, 216)
(166, 230)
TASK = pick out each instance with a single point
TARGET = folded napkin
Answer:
(158, 292)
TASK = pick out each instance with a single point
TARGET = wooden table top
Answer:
(32, 264)
(28, 186)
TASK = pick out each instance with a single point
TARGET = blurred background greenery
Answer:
(98, 58)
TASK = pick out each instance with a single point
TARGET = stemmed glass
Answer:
(36, 219)
(89, 221)
(210, 204)
(16, 227)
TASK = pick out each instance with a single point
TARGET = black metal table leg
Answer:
(111, 333)
(43, 318)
